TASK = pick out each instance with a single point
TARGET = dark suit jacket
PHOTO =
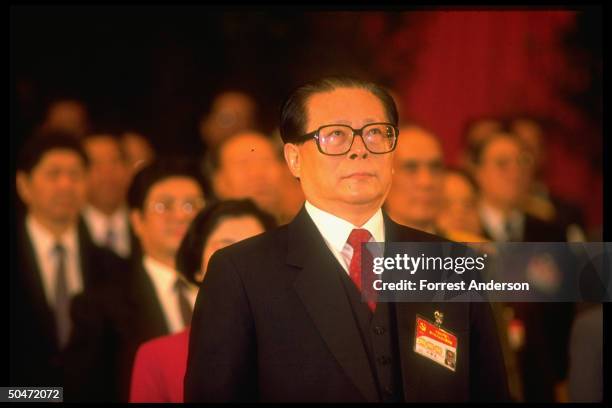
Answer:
(543, 358)
(272, 323)
(112, 323)
(35, 357)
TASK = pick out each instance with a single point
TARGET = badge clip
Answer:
(439, 317)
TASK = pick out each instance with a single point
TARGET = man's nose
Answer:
(358, 149)
(424, 177)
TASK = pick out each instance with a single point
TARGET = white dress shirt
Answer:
(336, 231)
(164, 279)
(47, 259)
(99, 224)
(494, 222)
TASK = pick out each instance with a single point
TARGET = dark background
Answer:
(155, 69)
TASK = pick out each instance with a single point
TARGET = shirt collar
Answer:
(116, 219)
(495, 220)
(163, 276)
(45, 242)
(337, 230)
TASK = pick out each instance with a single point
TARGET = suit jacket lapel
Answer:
(29, 273)
(148, 306)
(319, 287)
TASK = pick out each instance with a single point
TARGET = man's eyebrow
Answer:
(349, 123)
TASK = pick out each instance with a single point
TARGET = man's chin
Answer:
(362, 197)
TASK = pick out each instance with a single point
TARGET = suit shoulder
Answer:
(407, 234)
(258, 246)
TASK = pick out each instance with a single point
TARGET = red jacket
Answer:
(159, 369)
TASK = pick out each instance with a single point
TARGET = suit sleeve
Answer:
(488, 379)
(222, 357)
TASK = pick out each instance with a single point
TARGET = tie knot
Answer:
(180, 284)
(59, 249)
(357, 236)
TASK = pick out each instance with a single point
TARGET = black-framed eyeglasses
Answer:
(337, 139)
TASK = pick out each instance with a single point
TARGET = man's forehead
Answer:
(248, 143)
(174, 186)
(350, 106)
(60, 156)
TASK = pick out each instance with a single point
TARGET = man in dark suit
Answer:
(501, 169)
(155, 300)
(107, 213)
(55, 259)
(279, 317)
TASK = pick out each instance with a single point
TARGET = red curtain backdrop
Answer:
(451, 66)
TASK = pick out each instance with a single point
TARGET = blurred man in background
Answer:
(501, 168)
(502, 172)
(246, 165)
(56, 259)
(106, 214)
(67, 115)
(137, 150)
(231, 112)
(416, 191)
(539, 201)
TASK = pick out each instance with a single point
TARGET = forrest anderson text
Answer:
(450, 286)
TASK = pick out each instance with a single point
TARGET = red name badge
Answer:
(435, 343)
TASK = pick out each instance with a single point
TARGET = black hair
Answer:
(293, 111)
(189, 254)
(41, 143)
(157, 171)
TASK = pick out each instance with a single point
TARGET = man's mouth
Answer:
(360, 174)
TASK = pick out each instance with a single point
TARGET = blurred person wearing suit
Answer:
(418, 179)
(501, 169)
(106, 213)
(56, 260)
(155, 300)
(160, 363)
(285, 308)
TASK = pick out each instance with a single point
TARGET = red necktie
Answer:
(355, 239)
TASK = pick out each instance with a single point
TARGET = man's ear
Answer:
(136, 220)
(292, 157)
(23, 187)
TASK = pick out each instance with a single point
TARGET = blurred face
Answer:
(229, 230)
(137, 150)
(530, 134)
(416, 191)
(481, 129)
(55, 189)
(502, 173)
(69, 116)
(250, 168)
(459, 211)
(356, 180)
(169, 207)
(108, 173)
(231, 112)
